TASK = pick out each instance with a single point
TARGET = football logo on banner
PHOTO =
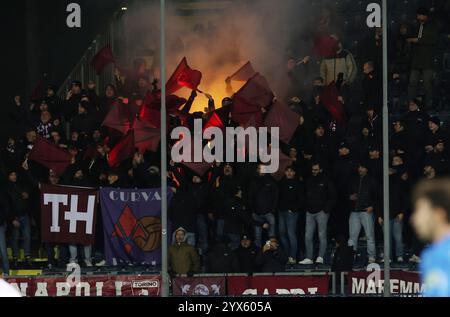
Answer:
(132, 225)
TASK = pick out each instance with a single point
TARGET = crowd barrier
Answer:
(357, 283)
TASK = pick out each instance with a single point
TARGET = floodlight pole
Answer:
(386, 216)
(164, 240)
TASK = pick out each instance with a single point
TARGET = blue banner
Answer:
(132, 225)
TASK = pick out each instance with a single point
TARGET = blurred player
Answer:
(431, 220)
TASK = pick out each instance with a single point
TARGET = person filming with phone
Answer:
(272, 257)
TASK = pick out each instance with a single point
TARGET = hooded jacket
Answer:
(183, 258)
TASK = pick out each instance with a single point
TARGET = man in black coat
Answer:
(246, 254)
(222, 189)
(291, 200)
(263, 199)
(19, 199)
(272, 258)
(424, 45)
(320, 200)
(362, 191)
(344, 168)
(222, 259)
(182, 213)
(397, 210)
(237, 217)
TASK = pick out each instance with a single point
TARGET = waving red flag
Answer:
(102, 59)
(146, 138)
(183, 76)
(50, 155)
(284, 118)
(121, 117)
(214, 121)
(244, 73)
(123, 150)
(331, 102)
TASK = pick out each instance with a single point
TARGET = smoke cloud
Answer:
(218, 42)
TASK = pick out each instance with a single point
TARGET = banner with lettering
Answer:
(132, 225)
(278, 285)
(372, 283)
(94, 286)
(68, 214)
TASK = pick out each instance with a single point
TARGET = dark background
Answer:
(36, 40)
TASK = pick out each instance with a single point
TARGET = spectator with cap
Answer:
(246, 255)
(422, 56)
(320, 200)
(362, 191)
(221, 258)
(439, 158)
(290, 203)
(434, 133)
(272, 257)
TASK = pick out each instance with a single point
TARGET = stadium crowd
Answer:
(235, 218)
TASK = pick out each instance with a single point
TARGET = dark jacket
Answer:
(19, 205)
(221, 259)
(263, 195)
(291, 195)
(365, 188)
(5, 208)
(320, 194)
(222, 190)
(423, 52)
(272, 260)
(182, 211)
(247, 258)
(236, 216)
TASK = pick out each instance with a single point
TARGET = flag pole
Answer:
(164, 244)
(386, 223)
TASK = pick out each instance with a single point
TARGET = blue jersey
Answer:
(435, 268)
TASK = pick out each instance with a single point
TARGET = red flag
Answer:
(330, 100)
(146, 138)
(123, 150)
(284, 118)
(256, 92)
(50, 155)
(243, 111)
(244, 73)
(183, 76)
(325, 46)
(102, 59)
(214, 121)
(120, 117)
